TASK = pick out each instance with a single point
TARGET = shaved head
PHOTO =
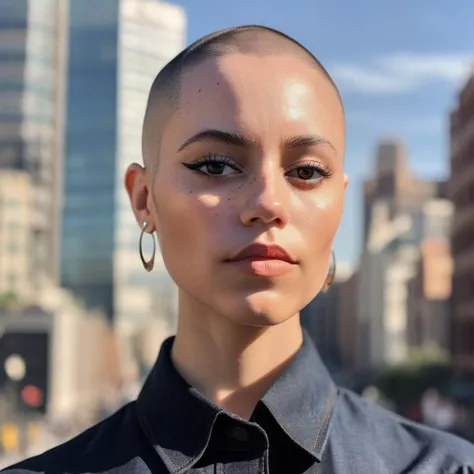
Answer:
(163, 99)
(243, 143)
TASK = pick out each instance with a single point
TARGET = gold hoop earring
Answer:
(147, 265)
(331, 273)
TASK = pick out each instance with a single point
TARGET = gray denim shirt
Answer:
(303, 424)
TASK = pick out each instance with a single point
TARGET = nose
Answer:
(266, 201)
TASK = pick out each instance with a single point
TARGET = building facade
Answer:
(321, 319)
(347, 321)
(386, 264)
(33, 56)
(393, 183)
(431, 287)
(16, 221)
(395, 221)
(42, 351)
(114, 56)
(462, 237)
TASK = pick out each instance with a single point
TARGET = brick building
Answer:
(462, 237)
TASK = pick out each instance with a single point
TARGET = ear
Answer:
(346, 181)
(137, 186)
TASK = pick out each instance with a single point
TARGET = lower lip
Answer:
(264, 267)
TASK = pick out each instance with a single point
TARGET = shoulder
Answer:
(114, 442)
(399, 440)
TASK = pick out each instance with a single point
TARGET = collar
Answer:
(303, 398)
(178, 420)
(175, 417)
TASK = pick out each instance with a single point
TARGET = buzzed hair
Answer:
(251, 39)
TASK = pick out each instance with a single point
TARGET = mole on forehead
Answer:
(198, 74)
(276, 47)
(208, 81)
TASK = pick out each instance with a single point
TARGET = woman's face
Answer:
(254, 155)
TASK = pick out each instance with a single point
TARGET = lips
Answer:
(263, 252)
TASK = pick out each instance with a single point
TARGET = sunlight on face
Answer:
(254, 155)
(296, 96)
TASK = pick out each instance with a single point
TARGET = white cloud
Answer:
(402, 72)
(370, 80)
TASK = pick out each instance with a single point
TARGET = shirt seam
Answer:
(148, 429)
(328, 410)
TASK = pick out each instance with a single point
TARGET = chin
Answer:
(263, 309)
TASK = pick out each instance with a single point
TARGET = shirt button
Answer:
(240, 434)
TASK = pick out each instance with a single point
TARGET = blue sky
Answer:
(398, 66)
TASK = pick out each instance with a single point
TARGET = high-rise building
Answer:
(386, 265)
(32, 81)
(429, 291)
(394, 183)
(462, 237)
(395, 222)
(115, 53)
(16, 220)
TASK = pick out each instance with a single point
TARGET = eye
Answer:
(214, 165)
(309, 172)
(216, 169)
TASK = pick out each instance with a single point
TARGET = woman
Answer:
(244, 185)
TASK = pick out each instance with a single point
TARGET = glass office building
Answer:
(89, 171)
(114, 55)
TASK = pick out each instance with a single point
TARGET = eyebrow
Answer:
(235, 139)
(229, 138)
(302, 141)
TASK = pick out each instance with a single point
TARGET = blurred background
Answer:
(81, 322)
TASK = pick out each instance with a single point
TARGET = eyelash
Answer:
(225, 160)
(324, 171)
(210, 159)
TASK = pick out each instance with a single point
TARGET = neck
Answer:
(232, 365)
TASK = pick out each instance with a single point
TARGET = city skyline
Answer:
(406, 92)
(397, 321)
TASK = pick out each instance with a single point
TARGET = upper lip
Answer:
(270, 252)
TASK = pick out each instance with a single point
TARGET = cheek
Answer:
(319, 217)
(186, 222)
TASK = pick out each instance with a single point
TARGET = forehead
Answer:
(261, 95)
